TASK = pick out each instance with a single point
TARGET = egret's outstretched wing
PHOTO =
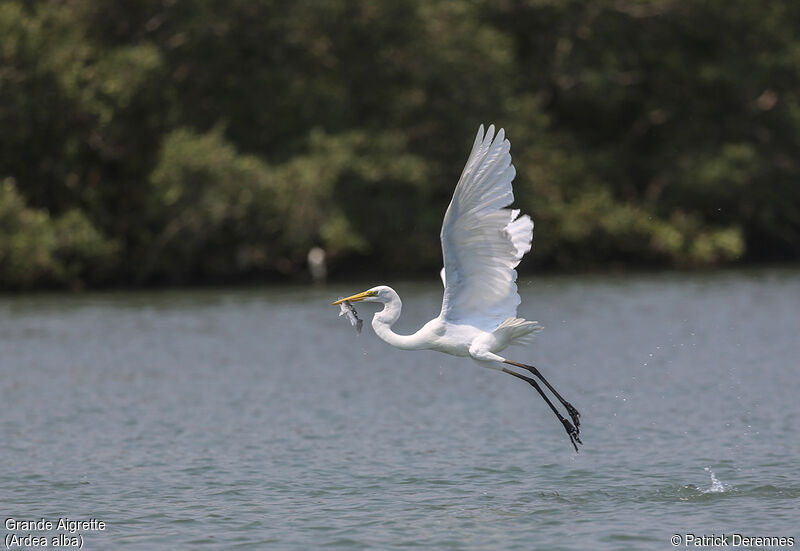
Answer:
(482, 241)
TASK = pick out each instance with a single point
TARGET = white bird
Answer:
(482, 243)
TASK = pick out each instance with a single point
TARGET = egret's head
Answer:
(376, 294)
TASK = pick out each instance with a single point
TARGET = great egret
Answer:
(482, 243)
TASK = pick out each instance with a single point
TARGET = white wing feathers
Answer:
(482, 241)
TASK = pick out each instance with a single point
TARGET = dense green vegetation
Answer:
(173, 141)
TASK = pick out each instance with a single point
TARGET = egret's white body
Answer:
(483, 241)
(458, 339)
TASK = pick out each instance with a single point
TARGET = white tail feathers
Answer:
(517, 331)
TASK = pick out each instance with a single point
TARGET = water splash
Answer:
(716, 485)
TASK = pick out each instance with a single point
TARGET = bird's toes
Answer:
(575, 415)
(572, 432)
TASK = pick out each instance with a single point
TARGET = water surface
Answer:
(256, 419)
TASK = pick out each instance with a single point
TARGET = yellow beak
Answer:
(356, 298)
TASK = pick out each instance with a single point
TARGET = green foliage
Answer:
(216, 213)
(163, 141)
(37, 249)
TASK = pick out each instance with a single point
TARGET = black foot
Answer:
(576, 417)
(572, 432)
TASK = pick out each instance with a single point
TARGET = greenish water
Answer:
(258, 420)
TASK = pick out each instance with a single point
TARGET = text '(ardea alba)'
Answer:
(482, 242)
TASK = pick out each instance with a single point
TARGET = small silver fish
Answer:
(352, 315)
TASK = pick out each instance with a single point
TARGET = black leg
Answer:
(573, 413)
(572, 432)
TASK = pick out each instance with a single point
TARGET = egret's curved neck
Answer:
(383, 320)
